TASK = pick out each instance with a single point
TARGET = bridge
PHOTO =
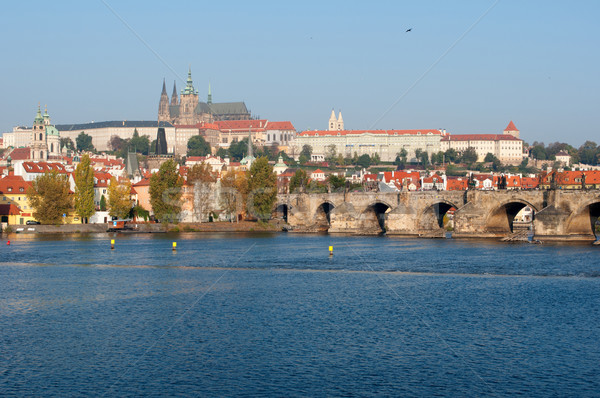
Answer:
(557, 214)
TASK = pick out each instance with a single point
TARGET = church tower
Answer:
(39, 148)
(52, 137)
(209, 98)
(332, 121)
(188, 102)
(512, 130)
(340, 122)
(174, 97)
(163, 105)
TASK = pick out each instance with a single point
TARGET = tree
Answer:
(119, 198)
(451, 155)
(307, 151)
(139, 144)
(202, 178)
(49, 197)
(262, 188)
(330, 153)
(84, 142)
(102, 203)
(237, 150)
(231, 198)
(117, 143)
(67, 143)
(538, 151)
(588, 153)
(336, 182)
(489, 157)
(364, 161)
(299, 181)
(222, 153)
(165, 192)
(375, 159)
(197, 146)
(469, 156)
(84, 189)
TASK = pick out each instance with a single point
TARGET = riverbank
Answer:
(242, 226)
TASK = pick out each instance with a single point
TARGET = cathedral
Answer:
(187, 109)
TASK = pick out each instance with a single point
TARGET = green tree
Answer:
(299, 181)
(102, 203)
(197, 146)
(139, 144)
(262, 188)
(222, 153)
(49, 197)
(469, 156)
(336, 182)
(67, 143)
(84, 189)
(119, 198)
(489, 157)
(588, 153)
(364, 161)
(307, 151)
(451, 155)
(331, 153)
(84, 142)
(539, 152)
(237, 150)
(165, 192)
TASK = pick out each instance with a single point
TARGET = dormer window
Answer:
(9, 189)
(21, 189)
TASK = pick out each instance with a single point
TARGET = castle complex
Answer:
(187, 109)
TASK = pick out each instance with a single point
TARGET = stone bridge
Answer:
(557, 215)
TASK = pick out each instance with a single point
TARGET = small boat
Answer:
(121, 226)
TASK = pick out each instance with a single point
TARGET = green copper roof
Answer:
(189, 88)
(51, 130)
(38, 116)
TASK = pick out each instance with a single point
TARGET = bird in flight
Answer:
(408, 30)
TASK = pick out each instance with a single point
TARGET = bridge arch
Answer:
(432, 217)
(373, 218)
(583, 220)
(282, 211)
(323, 213)
(501, 219)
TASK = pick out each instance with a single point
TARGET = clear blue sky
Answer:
(535, 62)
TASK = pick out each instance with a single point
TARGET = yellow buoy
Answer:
(174, 246)
(331, 250)
(112, 244)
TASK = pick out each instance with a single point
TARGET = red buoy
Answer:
(8, 242)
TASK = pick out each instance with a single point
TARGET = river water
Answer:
(275, 315)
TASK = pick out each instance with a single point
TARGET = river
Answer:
(276, 315)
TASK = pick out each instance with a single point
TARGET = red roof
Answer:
(456, 183)
(480, 137)
(280, 126)
(20, 154)
(43, 167)
(511, 127)
(199, 126)
(317, 171)
(9, 210)
(241, 125)
(13, 184)
(375, 132)
(144, 182)
(530, 182)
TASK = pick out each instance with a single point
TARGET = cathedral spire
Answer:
(174, 100)
(189, 87)
(164, 90)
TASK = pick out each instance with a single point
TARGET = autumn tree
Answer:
(202, 178)
(49, 197)
(119, 198)
(84, 189)
(165, 192)
(231, 194)
(299, 181)
(262, 189)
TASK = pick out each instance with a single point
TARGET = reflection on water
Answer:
(274, 314)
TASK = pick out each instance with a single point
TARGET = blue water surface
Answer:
(275, 315)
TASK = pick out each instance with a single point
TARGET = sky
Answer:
(466, 66)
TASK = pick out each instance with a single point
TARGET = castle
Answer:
(187, 109)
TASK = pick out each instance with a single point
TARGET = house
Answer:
(317, 175)
(433, 182)
(564, 158)
(457, 183)
(14, 204)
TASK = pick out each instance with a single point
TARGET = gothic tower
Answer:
(174, 98)
(163, 105)
(188, 102)
(39, 148)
